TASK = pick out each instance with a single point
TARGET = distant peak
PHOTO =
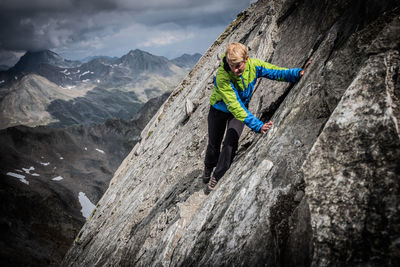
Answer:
(137, 51)
(186, 60)
(41, 53)
(32, 59)
(42, 56)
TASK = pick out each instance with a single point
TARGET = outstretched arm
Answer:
(268, 125)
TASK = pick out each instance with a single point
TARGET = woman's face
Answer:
(238, 68)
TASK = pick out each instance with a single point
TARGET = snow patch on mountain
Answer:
(99, 150)
(58, 178)
(87, 205)
(18, 176)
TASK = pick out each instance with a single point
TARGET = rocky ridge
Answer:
(320, 189)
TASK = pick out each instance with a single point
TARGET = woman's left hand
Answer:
(266, 127)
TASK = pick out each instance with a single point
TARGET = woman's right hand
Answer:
(305, 67)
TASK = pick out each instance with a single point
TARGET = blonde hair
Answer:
(236, 52)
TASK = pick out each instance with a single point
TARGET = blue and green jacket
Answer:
(232, 93)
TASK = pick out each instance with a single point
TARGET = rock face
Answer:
(321, 188)
(352, 172)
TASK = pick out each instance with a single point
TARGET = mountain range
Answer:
(63, 133)
(124, 84)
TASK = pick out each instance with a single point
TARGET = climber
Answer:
(233, 89)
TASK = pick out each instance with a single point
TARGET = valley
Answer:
(62, 136)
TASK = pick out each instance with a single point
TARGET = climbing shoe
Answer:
(211, 185)
(207, 174)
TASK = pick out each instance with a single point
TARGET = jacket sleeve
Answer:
(235, 105)
(267, 70)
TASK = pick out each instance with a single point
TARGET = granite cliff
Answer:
(321, 188)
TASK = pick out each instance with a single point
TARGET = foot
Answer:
(207, 174)
(211, 185)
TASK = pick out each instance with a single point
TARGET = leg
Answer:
(216, 128)
(230, 145)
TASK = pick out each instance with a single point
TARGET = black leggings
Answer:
(218, 121)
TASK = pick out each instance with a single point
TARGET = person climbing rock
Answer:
(233, 89)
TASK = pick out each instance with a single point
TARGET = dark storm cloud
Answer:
(42, 24)
(50, 24)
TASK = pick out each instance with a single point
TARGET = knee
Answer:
(213, 146)
(231, 138)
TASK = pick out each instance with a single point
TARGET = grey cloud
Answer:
(136, 7)
(201, 16)
(50, 24)
(46, 6)
(9, 59)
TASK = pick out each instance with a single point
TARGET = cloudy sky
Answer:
(76, 29)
